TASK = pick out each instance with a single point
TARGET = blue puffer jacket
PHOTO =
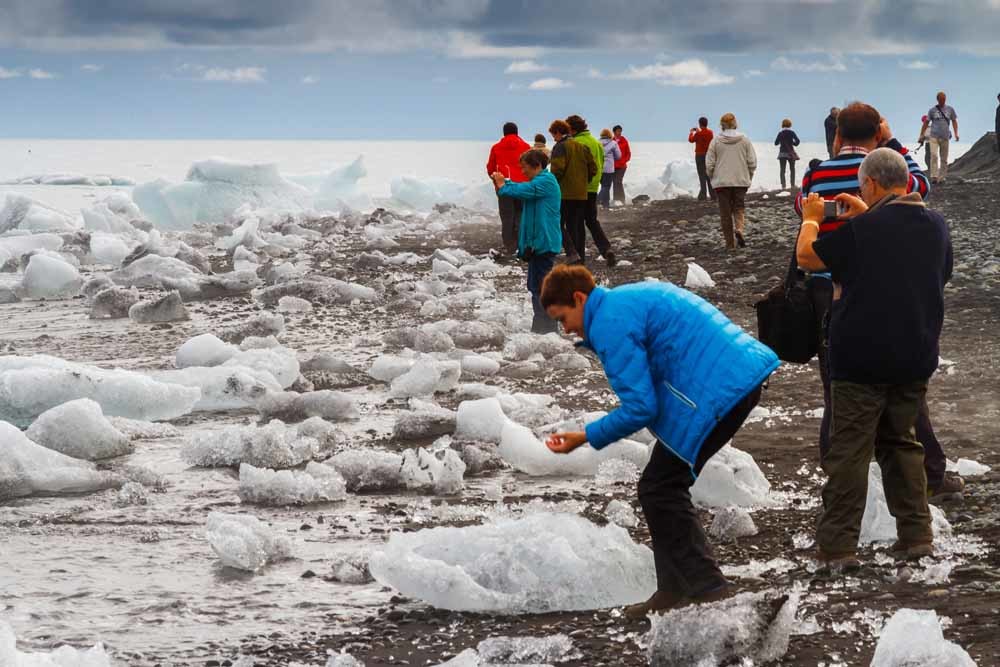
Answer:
(540, 228)
(676, 362)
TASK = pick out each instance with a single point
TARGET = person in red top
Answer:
(701, 137)
(621, 164)
(505, 158)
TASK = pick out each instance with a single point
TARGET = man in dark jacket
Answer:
(505, 159)
(890, 262)
(830, 125)
(574, 167)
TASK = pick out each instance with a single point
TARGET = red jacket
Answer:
(505, 157)
(701, 138)
(626, 152)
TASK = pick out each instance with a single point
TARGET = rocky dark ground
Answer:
(657, 239)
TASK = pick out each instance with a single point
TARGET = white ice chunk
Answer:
(168, 308)
(521, 346)
(108, 248)
(754, 626)
(731, 477)
(79, 429)
(539, 563)
(522, 450)
(243, 542)
(732, 523)
(438, 470)
(697, 277)
(204, 350)
(64, 656)
(878, 525)
(48, 277)
(481, 420)
(621, 513)
(274, 445)
(343, 660)
(280, 362)
(388, 367)
(913, 637)
(318, 483)
(27, 468)
(31, 385)
(293, 304)
(427, 377)
(368, 470)
(476, 365)
(223, 387)
(526, 650)
(968, 467)
(26, 214)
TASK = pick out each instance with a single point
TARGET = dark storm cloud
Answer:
(705, 26)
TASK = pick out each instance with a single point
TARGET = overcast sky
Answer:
(372, 69)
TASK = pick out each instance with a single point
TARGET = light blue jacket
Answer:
(676, 362)
(542, 198)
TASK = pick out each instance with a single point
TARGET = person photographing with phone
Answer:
(890, 258)
(682, 370)
(540, 234)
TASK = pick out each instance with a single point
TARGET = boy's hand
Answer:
(498, 180)
(564, 443)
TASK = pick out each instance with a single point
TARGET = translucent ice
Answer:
(539, 563)
(697, 277)
(64, 656)
(437, 470)
(24, 213)
(476, 365)
(263, 324)
(367, 469)
(482, 420)
(519, 651)
(22, 244)
(427, 377)
(731, 477)
(293, 304)
(343, 660)
(388, 367)
(617, 471)
(878, 525)
(31, 385)
(522, 450)
(523, 345)
(243, 542)
(108, 248)
(968, 467)
(293, 406)
(274, 445)
(753, 626)
(621, 513)
(113, 303)
(168, 308)
(317, 483)
(79, 429)
(912, 638)
(48, 277)
(423, 422)
(731, 523)
(223, 387)
(168, 273)
(27, 468)
(204, 350)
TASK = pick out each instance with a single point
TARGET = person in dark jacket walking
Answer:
(573, 165)
(702, 137)
(578, 127)
(830, 125)
(683, 370)
(505, 158)
(786, 141)
(540, 234)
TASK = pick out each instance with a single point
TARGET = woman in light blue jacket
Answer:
(540, 233)
(612, 153)
(682, 370)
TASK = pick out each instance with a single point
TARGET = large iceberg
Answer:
(64, 656)
(914, 637)
(214, 189)
(243, 542)
(27, 468)
(539, 563)
(31, 385)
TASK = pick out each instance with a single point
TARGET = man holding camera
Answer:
(890, 260)
(539, 236)
(860, 130)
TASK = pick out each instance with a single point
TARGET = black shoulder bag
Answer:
(786, 319)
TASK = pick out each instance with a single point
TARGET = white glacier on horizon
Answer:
(540, 563)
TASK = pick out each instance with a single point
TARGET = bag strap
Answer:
(793, 264)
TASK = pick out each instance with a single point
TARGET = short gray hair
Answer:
(886, 167)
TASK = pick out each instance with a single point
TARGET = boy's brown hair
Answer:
(564, 281)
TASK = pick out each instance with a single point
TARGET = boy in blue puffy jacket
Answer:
(685, 372)
(540, 233)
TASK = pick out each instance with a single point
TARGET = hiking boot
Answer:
(951, 484)
(610, 258)
(712, 595)
(838, 563)
(740, 241)
(901, 551)
(659, 602)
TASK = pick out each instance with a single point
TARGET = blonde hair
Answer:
(606, 134)
(728, 121)
(786, 123)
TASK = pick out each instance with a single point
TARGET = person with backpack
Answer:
(786, 141)
(612, 153)
(505, 158)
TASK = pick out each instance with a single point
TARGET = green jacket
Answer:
(574, 167)
(597, 150)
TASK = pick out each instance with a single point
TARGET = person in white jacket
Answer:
(730, 163)
(612, 153)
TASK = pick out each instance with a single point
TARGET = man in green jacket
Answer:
(578, 128)
(574, 167)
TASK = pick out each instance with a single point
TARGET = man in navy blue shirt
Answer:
(889, 263)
